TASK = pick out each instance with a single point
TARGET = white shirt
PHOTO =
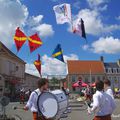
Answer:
(32, 102)
(109, 92)
(103, 104)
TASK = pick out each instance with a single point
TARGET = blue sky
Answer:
(102, 23)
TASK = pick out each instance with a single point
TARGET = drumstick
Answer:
(88, 104)
(16, 107)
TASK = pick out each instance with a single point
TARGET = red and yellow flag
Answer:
(34, 42)
(37, 64)
(19, 38)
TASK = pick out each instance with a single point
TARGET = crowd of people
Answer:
(102, 100)
(23, 96)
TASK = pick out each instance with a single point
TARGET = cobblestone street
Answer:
(77, 113)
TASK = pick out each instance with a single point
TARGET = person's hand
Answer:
(89, 110)
(25, 108)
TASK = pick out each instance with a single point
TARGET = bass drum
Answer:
(52, 104)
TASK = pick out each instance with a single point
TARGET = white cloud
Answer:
(12, 15)
(93, 22)
(103, 8)
(118, 18)
(44, 30)
(35, 24)
(54, 0)
(30, 68)
(51, 66)
(34, 20)
(76, 4)
(107, 45)
(85, 47)
(96, 3)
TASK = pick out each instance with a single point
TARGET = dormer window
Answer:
(109, 70)
(114, 70)
(106, 70)
(118, 70)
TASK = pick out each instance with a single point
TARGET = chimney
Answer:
(102, 58)
(118, 62)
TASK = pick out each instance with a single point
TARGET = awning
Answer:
(93, 84)
(77, 84)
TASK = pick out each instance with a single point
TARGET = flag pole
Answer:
(40, 75)
(71, 21)
(90, 75)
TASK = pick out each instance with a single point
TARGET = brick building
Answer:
(89, 71)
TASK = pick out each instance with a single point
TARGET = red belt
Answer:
(106, 117)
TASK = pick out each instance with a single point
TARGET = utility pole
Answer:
(90, 77)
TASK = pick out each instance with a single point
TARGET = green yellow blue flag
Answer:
(58, 53)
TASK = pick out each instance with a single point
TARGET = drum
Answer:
(52, 104)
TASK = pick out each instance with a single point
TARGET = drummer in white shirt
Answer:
(32, 102)
(103, 105)
(107, 88)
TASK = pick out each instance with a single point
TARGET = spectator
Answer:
(107, 88)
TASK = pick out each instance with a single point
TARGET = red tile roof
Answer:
(85, 67)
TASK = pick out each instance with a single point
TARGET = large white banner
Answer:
(63, 13)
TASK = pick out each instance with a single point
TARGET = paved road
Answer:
(76, 114)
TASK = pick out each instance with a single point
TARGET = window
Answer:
(1, 89)
(109, 70)
(109, 78)
(86, 79)
(118, 70)
(103, 78)
(93, 78)
(106, 70)
(73, 78)
(6, 84)
(98, 78)
(114, 70)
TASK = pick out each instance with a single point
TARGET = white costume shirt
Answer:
(32, 102)
(102, 105)
(109, 92)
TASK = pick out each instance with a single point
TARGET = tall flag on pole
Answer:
(37, 64)
(58, 53)
(63, 13)
(34, 42)
(79, 28)
(19, 38)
